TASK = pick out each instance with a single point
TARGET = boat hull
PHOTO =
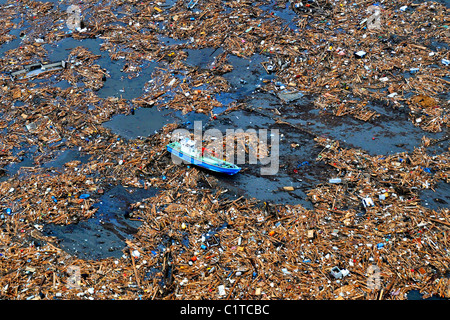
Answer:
(188, 158)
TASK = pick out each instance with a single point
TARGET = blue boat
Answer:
(189, 153)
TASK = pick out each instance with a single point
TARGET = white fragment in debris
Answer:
(172, 82)
(367, 202)
(221, 290)
(136, 254)
(285, 271)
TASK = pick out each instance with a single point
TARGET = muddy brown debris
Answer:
(368, 234)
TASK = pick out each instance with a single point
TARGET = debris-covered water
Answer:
(297, 120)
(103, 235)
(393, 132)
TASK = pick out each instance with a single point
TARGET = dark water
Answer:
(117, 84)
(391, 133)
(61, 157)
(103, 235)
(437, 199)
(416, 295)
(145, 122)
